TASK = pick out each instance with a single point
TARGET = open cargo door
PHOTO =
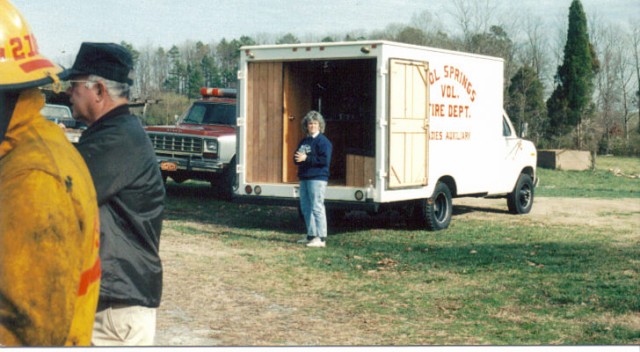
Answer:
(408, 123)
(297, 103)
(264, 122)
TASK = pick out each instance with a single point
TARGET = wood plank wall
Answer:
(264, 122)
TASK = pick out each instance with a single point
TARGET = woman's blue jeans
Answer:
(312, 207)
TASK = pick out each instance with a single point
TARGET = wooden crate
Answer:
(361, 170)
(562, 159)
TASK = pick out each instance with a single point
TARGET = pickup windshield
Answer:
(211, 114)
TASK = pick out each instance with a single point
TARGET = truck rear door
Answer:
(408, 123)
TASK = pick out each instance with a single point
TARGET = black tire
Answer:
(226, 183)
(520, 201)
(335, 216)
(435, 213)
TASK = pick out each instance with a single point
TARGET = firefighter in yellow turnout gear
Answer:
(49, 226)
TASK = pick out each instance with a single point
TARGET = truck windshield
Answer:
(211, 114)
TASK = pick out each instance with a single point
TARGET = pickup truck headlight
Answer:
(211, 146)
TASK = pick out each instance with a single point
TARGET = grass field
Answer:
(614, 177)
(492, 279)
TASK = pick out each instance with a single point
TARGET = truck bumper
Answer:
(189, 165)
(370, 207)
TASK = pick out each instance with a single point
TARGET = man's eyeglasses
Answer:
(73, 83)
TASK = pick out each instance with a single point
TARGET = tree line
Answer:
(578, 87)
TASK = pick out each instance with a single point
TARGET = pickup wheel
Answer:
(435, 213)
(520, 201)
(225, 184)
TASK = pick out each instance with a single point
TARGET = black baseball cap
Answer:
(107, 60)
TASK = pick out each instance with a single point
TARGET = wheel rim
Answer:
(441, 208)
(524, 196)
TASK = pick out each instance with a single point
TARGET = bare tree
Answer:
(535, 49)
(388, 33)
(144, 72)
(607, 84)
(635, 41)
(625, 71)
(426, 22)
(473, 16)
(160, 68)
(625, 76)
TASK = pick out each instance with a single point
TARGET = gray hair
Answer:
(313, 116)
(114, 89)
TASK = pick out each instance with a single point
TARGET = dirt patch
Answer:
(623, 214)
(201, 306)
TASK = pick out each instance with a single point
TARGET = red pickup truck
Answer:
(202, 143)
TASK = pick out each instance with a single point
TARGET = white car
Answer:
(61, 115)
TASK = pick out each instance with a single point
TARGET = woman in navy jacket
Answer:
(313, 158)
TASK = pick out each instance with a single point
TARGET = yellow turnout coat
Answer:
(49, 234)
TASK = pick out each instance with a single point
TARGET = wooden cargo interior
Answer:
(279, 96)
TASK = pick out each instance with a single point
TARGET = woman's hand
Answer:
(300, 157)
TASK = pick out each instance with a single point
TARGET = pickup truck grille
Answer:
(177, 144)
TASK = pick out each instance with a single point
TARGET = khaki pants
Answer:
(122, 325)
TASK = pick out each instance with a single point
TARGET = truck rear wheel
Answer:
(335, 216)
(435, 212)
(520, 201)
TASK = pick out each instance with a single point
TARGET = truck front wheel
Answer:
(225, 183)
(520, 201)
(435, 212)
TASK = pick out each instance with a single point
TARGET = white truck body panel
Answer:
(437, 114)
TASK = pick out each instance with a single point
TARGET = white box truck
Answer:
(411, 127)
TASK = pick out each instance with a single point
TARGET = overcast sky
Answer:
(61, 25)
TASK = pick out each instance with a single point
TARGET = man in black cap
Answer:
(130, 194)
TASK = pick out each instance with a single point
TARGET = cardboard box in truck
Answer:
(411, 127)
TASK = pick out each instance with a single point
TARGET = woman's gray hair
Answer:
(114, 89)
(313, 116)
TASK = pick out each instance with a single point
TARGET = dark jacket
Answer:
(131, 196)
(316, 166)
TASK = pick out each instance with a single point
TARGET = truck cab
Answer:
(202, 143)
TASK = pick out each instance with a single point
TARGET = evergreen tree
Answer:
(135, 54)
(288, 39)
(571, 102)
(172, 82)
(496, 42)
(526, 102)
(228, 55)
(160, 68)
(412, 35)
(194, 81)
(210, 72)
